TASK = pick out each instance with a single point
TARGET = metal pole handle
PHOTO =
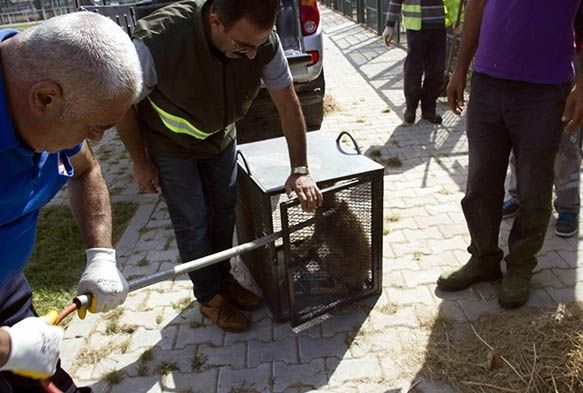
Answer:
(187, 267)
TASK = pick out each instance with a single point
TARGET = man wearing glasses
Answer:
(203, 62)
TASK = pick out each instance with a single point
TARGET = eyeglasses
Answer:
(241, 48)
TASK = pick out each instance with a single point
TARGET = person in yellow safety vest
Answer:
(425, 22)
(203, 62)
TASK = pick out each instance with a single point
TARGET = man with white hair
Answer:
(68, 79)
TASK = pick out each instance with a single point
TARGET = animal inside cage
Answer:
(324, 259)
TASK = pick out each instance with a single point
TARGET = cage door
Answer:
(328, 254)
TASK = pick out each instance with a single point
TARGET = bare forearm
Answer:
(294, 129)
(91, 208)
(470, 34)
(129, 132)
(4, 347)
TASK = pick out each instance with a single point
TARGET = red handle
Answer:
(47, 384)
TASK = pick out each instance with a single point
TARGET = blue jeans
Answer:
(15, 305)
(201, 198)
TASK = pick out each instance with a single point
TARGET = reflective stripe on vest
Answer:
(177, 124)
(412, 15)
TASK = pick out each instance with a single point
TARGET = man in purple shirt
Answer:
(520, 100)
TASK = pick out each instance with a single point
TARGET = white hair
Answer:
(89, 55)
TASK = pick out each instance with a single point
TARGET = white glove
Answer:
(34, 348)
(388, 35)
(103, 281)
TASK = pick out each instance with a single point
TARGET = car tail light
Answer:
(315, 56)
(309, 16)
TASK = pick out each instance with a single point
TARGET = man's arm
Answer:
(573, 112)
(294, 130)
(393, 15)
(393, 12)
(469, 44)
(89, 200)
(91, 208)
(4, 347)
(145, 172)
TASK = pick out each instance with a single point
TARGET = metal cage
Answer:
(324, 259)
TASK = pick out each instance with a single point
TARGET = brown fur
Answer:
(349, 259)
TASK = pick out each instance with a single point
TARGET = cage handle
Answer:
(356, 147)
(240, 154)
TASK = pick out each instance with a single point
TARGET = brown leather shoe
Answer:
(241, 297)
(224, 315)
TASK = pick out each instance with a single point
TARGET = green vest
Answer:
(412, 15)
(192, 110)
(451, 8)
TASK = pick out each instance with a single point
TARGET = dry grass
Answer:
(524, 351)
(330, 104)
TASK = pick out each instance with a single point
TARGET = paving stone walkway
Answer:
(159, 342)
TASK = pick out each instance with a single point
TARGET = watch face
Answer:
(300, 170)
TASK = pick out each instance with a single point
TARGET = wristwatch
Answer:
(300, 170)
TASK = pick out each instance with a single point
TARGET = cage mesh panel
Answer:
(331, 260)
(266, 264)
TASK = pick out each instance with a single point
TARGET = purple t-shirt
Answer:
(527, 40)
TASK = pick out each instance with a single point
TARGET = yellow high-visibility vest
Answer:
(411, 12)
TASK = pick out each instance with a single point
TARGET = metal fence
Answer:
(371, 13)
(368, 12)
(29, 11)
(33, 11)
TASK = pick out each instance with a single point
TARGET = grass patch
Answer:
(59, 256)
(244, 388)
(20, 26)
(182, 304)
(389, 309)
(330, 104)
(395, 217)
(144, 360)
(393, 162)
(114, 377)
(166, 368)
(92, 356)
(197, 363)
(195, 324)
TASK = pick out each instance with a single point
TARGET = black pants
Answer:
(425, 55)
(506, 115)
(15, 305)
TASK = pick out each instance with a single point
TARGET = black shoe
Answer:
(433, 118)
(567, 224)
(408, 118)
(472, 272)
(510, 208)
(515, 289)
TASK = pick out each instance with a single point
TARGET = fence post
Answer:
(360, 11)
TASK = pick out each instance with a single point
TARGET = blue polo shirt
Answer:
(28, 181)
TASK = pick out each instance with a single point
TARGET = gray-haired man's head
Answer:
(84, 63)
